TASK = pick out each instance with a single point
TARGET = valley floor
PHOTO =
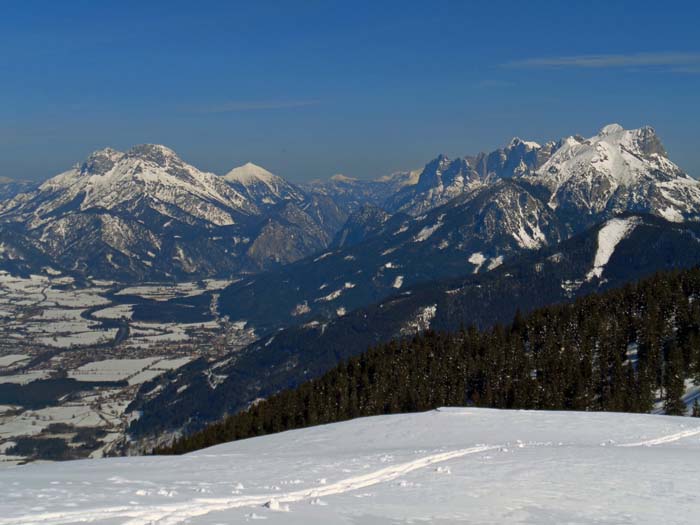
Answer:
(453, 465)
(73, 355)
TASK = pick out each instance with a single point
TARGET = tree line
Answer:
(622, 350)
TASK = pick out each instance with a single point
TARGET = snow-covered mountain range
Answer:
(617, 170)
(147, 214)
(451, 465)
(320, 271)
(494, 207)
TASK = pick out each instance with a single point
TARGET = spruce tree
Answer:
(696, 408)
(673, 382)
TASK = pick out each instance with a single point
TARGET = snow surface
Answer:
(11, 359)
(250, 172)
(459, 465)
(421, 320)
(609, 237)
(426, 232)
(477, 259)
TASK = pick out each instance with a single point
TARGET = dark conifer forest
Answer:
(621, 350)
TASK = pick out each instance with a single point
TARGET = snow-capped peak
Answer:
(250, 172)
(611, 129)
(148, 173)
(260, 185)
(618, 170)
(622, 155)
(529, 144)
(339, 177)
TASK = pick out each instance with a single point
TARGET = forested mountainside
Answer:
(607, 256)
(615, 351)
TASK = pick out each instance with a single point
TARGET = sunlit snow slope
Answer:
(445, 466)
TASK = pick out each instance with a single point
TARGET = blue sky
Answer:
(309, 89)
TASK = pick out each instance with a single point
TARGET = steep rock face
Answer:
(443, 179)
(518, 158)
(507, 217)
(288, 234)
(363, 223)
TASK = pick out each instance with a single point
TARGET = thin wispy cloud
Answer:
(674, 62)
(251, 105)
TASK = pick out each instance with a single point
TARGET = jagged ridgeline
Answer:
(616, 351)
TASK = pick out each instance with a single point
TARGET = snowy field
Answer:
(166, 292)
(447, 466)
(47, 311)
(135, 371)
(50, 311)
(51, 325)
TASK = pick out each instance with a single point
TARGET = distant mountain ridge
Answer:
(496, 207)
(146, 214)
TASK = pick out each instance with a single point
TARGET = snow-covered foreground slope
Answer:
(445, 466)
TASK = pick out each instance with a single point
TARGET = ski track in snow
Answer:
(664, 439)
(176, 513)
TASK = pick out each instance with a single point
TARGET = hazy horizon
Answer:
(329, 175)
